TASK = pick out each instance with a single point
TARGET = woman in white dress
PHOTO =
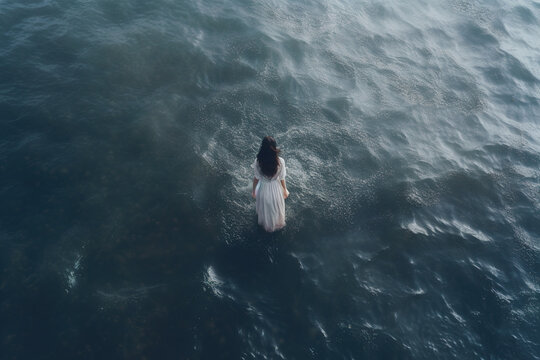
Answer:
(269, 188)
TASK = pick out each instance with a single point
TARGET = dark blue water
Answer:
(411, 133)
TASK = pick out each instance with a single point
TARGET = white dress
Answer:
(270, 203)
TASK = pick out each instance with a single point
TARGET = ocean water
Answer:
(411, 133)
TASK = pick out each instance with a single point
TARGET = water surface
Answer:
(411, 135)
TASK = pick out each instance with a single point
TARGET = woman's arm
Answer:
(255, 182)
(285, 191)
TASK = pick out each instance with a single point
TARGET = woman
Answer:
(269, 188)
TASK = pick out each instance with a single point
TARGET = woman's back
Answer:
(269, 188)
(279, 175)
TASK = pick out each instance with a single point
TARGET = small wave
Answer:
(218, 286)
(213, 282)
(444, 226)
(128, 294)
(71, 273)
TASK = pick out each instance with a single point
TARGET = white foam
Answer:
(71, 273)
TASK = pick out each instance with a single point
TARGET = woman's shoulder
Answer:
(281, 160)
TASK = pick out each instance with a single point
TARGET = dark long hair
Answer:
(268, 156)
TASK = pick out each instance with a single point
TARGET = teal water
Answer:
(411, 136)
